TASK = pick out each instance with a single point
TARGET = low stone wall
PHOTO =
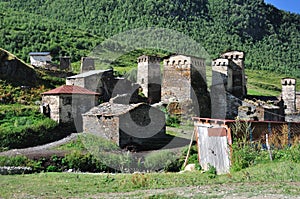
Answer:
(14, 170)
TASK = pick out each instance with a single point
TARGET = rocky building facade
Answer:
(106, 84)
(100, 81)
(239, 81)
(184, 81)
(129, 125)
(289, 94)
(65, 104)
(262, 110)
(149, 77)
(291, 99)
(87, 64)
(228, 84)
(65, 63)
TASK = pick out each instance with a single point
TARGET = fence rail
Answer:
(280, 133)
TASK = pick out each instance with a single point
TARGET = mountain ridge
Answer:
(270, 37)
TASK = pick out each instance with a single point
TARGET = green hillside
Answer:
(270, 37)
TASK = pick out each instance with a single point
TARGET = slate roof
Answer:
(70, 89)
(89, 73)
(112, 109)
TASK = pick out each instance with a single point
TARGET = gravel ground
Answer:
(42, 150)
(227, 191)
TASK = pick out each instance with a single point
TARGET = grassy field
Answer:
(270, 179)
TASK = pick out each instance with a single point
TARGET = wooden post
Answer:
(188, 153)
(268, 147)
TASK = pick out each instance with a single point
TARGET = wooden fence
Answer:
(215, 136)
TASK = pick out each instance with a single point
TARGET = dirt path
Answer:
(42, 150)
(227, 191)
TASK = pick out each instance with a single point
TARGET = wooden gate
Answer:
(213, 146)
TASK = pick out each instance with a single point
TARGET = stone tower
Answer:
(225, 89)
(184, 81)
(87, 64)
(149, 77)
(237, 59)
(182, 76)
(289, 94)
(65, 63)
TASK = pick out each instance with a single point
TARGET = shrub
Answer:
(243, 156)
(20, 161)
(159, 160)
(140, 180)
(83, 162)
(193, 157)
(212, 172)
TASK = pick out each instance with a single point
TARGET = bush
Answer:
(193, 157)
(83, 162)
(243, 156)
(212, 171)
(160, 160)
(20, 161)
(24, 126)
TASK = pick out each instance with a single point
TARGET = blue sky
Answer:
(288, 5)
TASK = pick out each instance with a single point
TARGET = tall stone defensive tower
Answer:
(149, 77)
(289, 94)
(237, 58)
(184, 81)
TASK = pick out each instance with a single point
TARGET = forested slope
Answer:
(270, 37)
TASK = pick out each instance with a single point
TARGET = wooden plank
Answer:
(217, 132)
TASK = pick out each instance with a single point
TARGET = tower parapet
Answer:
(288, 94)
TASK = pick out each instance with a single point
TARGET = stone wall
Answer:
(149, 77)
(53, 102)
(238, 58)
(75, 82)
(259, 110)
(67, 109)
(298, 101)
(292, 118)
(289, 94)
(139, 126)
(232, 75)
(176, 84)
(65, 63)
(184, 79)
(87, 64)
(105, 127)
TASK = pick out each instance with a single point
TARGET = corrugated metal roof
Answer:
(112, 109)
(89, 73)
(70, 89)
(39, 53)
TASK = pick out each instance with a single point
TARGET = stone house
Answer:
(65, 63)
(128, 125)
(105, 83)
(99, 81)
(40, 59)
(65, 104)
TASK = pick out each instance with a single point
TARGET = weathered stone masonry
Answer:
(137, 125)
